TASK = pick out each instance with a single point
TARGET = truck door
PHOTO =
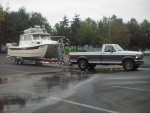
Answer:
(110, 55)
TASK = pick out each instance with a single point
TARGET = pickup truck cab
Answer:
(111, 54)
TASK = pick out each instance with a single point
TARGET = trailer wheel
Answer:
(38, 63)
(20, 61)
(83, 64)
(129, 65)
(16, 61)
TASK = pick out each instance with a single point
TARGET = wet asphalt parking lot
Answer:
(59, 89)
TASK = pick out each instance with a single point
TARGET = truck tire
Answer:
(129, 65)
(83, 64)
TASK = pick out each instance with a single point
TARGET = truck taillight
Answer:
(68, 56)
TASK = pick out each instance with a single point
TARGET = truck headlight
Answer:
(138, 56)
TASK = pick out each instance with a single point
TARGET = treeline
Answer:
(130, 35)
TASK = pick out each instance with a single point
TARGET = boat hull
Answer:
(32, 51)
(52, 51)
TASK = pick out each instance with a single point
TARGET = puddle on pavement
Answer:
(72, 72)
(58, 84)
(60, 80)
(9, 103)
(53, 83)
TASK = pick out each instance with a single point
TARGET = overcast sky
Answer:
(55, 10)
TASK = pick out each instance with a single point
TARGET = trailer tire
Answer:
(16, 61)
(20, 61)
(83, 64)
(38, 63)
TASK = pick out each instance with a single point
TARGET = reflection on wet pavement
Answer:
(53, 83)
(17, 78)
(109, 70)
(9, 103)
(58, 84)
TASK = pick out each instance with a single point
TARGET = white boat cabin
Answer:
(35, 36)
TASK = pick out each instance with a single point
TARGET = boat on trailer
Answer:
(35, 43)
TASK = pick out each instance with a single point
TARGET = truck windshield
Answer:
(118, 48)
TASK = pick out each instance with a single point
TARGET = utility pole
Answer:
(109, 28)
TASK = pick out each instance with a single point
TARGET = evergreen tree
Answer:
(74, 28)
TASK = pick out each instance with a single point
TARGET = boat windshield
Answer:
(118, 48)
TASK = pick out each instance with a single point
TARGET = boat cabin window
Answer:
(36, 38)
(40, 37)
(27, 38)
(44, 37)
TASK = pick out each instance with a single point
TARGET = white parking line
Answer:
(127, 87)
(71, 102)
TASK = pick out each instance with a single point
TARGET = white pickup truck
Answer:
(111, 54)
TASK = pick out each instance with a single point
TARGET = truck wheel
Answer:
(83, 64)
(128, 65)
